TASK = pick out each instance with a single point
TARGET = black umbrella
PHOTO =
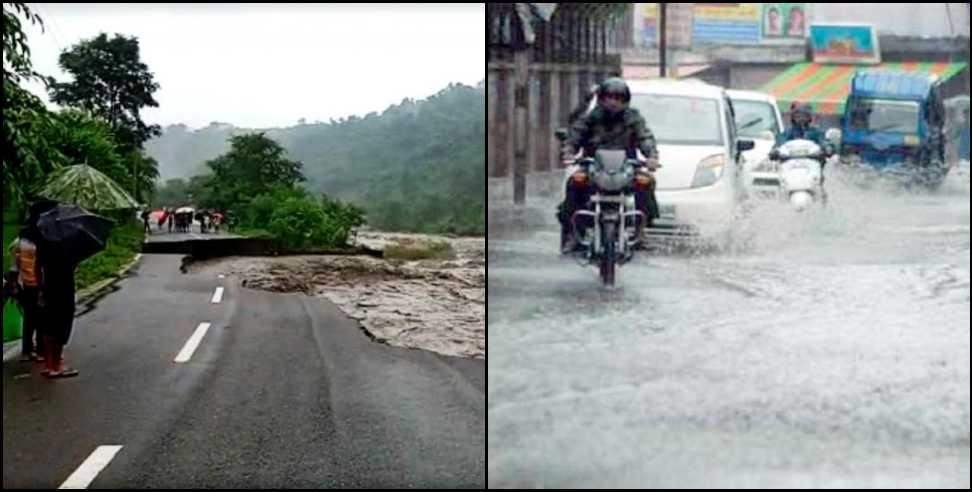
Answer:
(73, 232)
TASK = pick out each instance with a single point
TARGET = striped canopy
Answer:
(88, 188)
(825, 87)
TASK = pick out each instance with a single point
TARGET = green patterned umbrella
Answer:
(88, 188)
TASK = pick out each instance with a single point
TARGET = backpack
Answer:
(27, 263)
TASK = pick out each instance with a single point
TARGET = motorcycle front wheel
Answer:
(608, 261)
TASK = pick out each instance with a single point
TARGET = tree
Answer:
(201, 191)
(144, 171)
(86, 139)
(26, 156)
(172, 193)
(254, 165)
(83, 138)
(92, 131)
(110, 81)
(16, 53)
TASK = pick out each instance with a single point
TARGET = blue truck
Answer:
(894, 124)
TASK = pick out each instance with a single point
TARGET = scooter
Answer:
(793, 173)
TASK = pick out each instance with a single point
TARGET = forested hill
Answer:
(419, 165)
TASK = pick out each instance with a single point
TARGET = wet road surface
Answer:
(832, 350)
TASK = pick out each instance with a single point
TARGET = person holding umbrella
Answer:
(68, 235)
(160, 215)
(217, 221)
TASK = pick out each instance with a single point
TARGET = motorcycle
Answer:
(610, 227)
(793, 173)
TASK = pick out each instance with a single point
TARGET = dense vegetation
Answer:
(417, 166)
(258, 185)
(99, 126)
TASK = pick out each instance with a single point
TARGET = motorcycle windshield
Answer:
(610, 173)
(611, 161)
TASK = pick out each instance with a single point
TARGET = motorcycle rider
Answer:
(613, 124)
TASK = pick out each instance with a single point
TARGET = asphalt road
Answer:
(163, 235)
(831, 351)
(283, 391)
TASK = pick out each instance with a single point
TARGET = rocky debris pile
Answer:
(430, 304)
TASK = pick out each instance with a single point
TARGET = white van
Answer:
(699, 185)
(758, 118)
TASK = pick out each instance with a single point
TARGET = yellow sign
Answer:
(727, 11)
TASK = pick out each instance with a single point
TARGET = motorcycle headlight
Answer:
(709, 170)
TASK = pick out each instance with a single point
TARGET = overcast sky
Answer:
(266, 65)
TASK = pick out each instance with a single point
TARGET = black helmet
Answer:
(615, 85)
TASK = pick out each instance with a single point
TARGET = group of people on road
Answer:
(41, 281)
(181, 220)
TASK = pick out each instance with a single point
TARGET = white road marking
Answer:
(222, 276)
(193, 343)
(86, 473)
(218, 295)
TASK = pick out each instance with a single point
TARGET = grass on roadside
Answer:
(125, 242)
(252, 233)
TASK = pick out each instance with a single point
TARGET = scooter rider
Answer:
(802, 128)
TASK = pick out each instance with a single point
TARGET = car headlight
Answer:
(709, 170)
(802, 166)
(765, 166)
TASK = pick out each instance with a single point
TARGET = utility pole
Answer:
(662, 39)
(135, 180)
(521, 63)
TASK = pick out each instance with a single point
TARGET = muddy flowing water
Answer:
(435, 304)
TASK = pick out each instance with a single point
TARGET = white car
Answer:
(757, 117)
(699, 185)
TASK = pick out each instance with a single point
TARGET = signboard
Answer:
(649, 24)
(737, 23)
(679, 27)
(784, 20)
(844, 43)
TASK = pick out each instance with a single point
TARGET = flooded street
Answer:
(831, 351)
(431, 304)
